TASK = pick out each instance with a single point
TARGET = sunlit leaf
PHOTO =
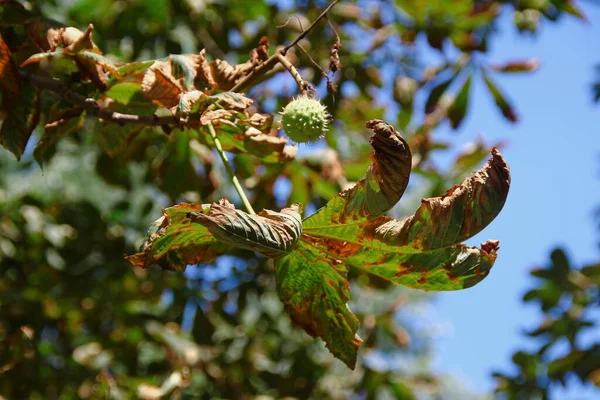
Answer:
(241, 134)
(130, 94)
(379, 191)
(314, 291)
(132, 72)
(36, 58)
(424, 250)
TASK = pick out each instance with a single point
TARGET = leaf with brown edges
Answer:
(424, 250)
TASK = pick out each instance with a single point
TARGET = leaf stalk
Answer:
(234, 179)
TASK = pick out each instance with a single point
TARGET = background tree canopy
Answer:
(78, 321)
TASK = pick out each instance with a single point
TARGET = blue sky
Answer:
(554, 155)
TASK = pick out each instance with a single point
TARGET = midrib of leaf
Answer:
(406, 249)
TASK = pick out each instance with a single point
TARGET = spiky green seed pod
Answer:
(304, 119)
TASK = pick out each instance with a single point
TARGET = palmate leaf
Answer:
(422, 251)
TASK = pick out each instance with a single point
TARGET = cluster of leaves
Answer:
(566, 295)
(422, 251)
(82, 324)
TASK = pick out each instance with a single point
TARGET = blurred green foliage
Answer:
(76, 321)
(567, 296)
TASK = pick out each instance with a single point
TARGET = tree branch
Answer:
(274, 59)
(305, 87)
(310, 27)
(92, 107)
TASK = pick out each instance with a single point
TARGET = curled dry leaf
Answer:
(383, 185)
(161, 86)
(273, 234)
(192, 233)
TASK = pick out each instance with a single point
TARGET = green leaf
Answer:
(571, 8)
(314, 291)
(424, 250)
(130, 94)
(173, 241)
(22, 118)
(436, 93)
(273, 234)
(505, 107)
(592, 272)
(582, 363)
(130, 70)
(115, 139)
(55, 131)
(36, 58)
(458, 109)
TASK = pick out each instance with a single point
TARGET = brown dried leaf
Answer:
(73, 40)
(160, 86)
(334, 59)
(226, 75)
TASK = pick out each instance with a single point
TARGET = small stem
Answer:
(234, 179)
(304, 86)
(273, 60)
